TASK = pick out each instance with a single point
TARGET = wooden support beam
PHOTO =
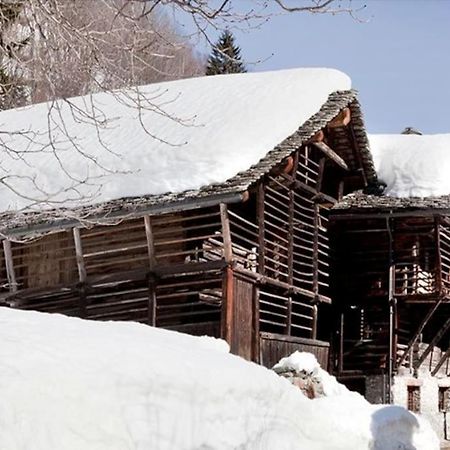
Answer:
(152, 300)
(228, 305)
(256, 331)
(315, 274)
(315, 316)
(357, 153)
(318, 137)
(419, 330)
(319, 183)
(341, 120)
(325, 149)
(261, 228)
(433, 342)
(438, 263)
(79, 255)
(289, 316)
(442, 360)
(150, 242)
(226, 233)
(81, 271)
(290, 237)
(10, 273)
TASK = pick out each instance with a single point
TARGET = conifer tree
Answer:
(225, 56)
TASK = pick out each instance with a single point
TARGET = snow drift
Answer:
(412, 165)
(165, 137)
(71, 384)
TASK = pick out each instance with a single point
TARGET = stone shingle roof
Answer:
(24, 223)
(359, 201)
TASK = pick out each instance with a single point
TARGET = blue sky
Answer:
(398, 57)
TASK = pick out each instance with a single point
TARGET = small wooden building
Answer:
(391, 280)
(246, 260)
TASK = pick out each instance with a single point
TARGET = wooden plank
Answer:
(10, 273)
(325, 149)
(228, 305)
(260, 210)
(150, 242)
(227, 244)
(433, 342)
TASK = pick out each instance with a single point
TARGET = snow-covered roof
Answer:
(415, 169)
(68, 383)
(172, 137)
(412, 165)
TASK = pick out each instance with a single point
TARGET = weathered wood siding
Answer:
(273, 347)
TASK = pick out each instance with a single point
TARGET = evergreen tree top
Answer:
(225, 56)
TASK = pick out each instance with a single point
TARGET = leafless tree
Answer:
(80, 47)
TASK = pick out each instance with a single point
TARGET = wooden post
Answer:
(151, 276)
(316, 251)
(289, 315)
(81, 271)
(438, 261)
(10, 273)
(226, 233)
(341, 345)
(256, 336)
(228, 306)
(261, 229)
(290, 237)
(314, 321)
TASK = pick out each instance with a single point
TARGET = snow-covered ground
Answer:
(71, 384)
(165, 137)
(412, 165)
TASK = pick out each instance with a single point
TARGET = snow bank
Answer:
(412, 165)
(166, 137)
(70, 384)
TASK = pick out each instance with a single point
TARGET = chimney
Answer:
(411, 130)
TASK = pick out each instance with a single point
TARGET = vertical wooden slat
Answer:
(438, 264)
(261, 228)
(290, 236)
(151, 278)
(81, 271)
(314, 321)
(9, 266)
(79, 255)
(227, 247)
(256, 335)
(289, 316)
(316, 250)
(228, 305)
(150, 242)
(320, 174)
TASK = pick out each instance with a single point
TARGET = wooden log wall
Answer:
(135, 270)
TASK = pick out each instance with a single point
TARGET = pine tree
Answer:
(12, 91)
(225, 56)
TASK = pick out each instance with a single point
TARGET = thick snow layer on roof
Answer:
(72, 384)
(412, 165)
(186, 134)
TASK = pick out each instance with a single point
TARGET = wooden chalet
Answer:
(246, 260)
(391, 286)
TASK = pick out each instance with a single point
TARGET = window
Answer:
(414, 398)
(444, 393)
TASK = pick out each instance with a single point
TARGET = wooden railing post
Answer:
(81, 271)
(10, 273)
(151, 277)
